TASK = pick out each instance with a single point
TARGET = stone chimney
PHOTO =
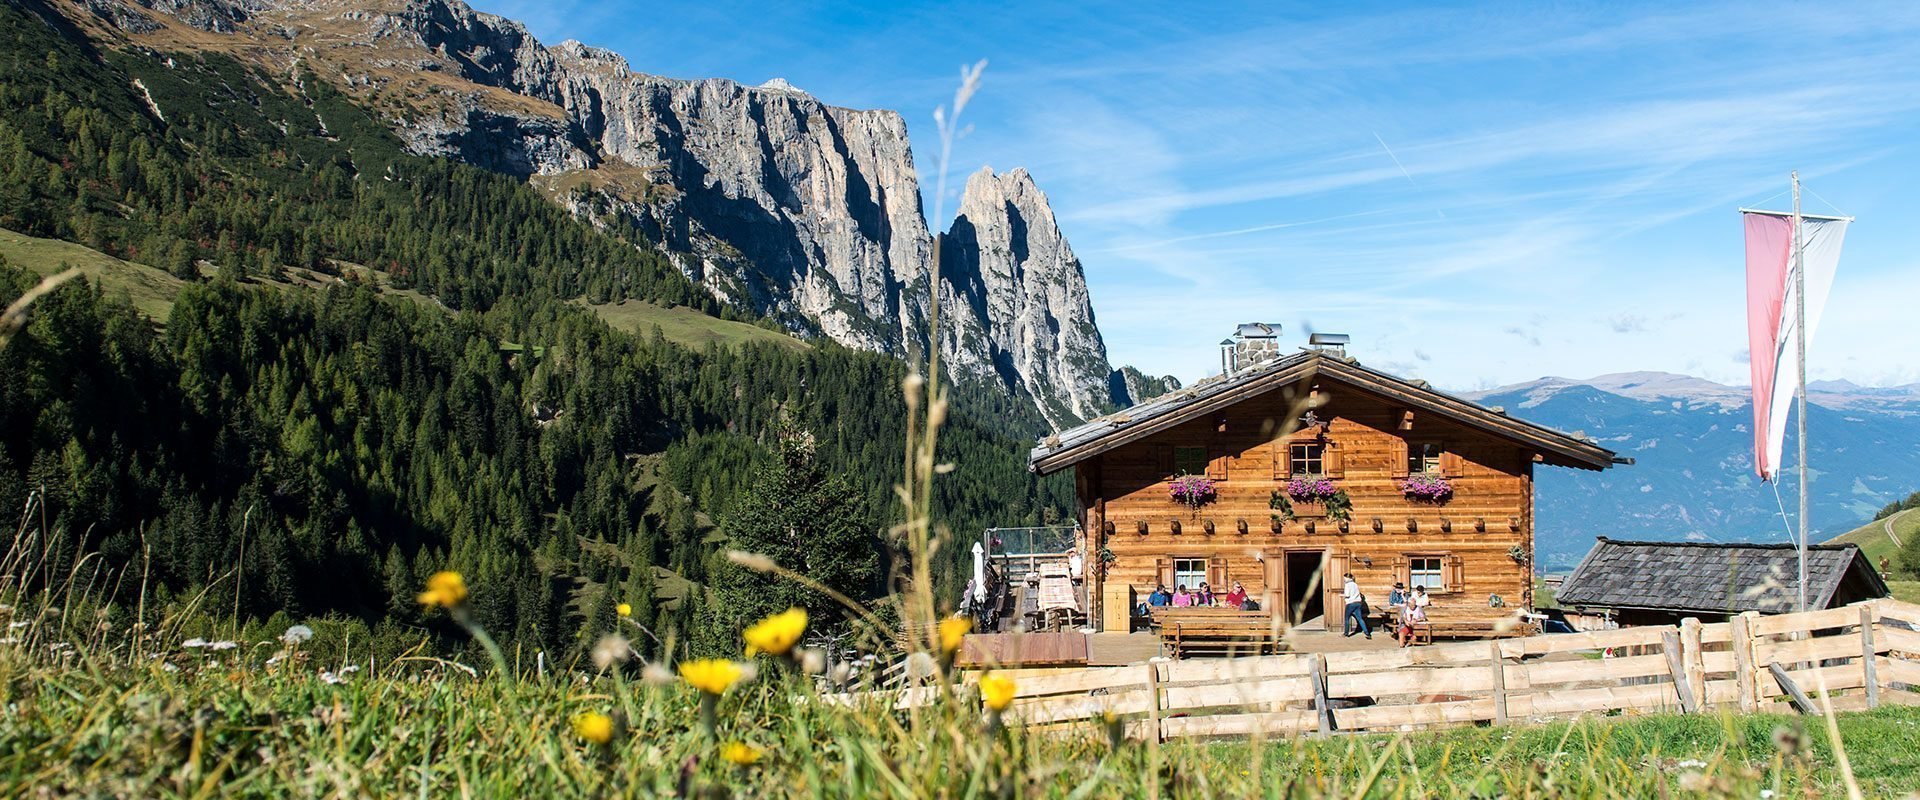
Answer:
(1251, 344)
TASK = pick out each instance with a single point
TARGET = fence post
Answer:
(1499, 685)
(1740, 626)
(1868, 669)
(1690, 653)
(1670, 644)
(1153, 703)
(1322, 707)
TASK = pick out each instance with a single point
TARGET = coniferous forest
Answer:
(271, 451)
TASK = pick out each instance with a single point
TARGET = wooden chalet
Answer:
(1660, 583)
(1269, 419)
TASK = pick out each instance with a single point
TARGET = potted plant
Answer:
(1192, 491)
(1317, 496)
(1430, 489)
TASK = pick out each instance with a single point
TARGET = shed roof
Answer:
(1099, 435)
(1716, 577)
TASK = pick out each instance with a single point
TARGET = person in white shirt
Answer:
(1076, 567)
(1356, 615)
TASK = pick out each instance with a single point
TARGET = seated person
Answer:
(1159, 599)
(1181, 597)
(1238, 597)
(1204, 597)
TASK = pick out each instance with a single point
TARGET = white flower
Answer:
(223, 645)
(297, 634)
(1691, 763)
(17, 625)
(195, 642)
(329, 677)
(349, 668)
(10, 640)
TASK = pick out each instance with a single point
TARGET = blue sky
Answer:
(1478, 195)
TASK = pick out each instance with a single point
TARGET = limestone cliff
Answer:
(802, 211)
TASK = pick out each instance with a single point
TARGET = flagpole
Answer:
(1800, 337)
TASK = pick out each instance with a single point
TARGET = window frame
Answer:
(1175, 572)
(1439, 571)
(1199, 456)
(1417, 455)
(1295, 460)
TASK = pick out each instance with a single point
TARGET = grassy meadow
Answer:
(196, 722)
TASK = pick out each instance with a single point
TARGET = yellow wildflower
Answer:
(953, 630)
(445, 590)
(776, 635)
(741, 753)
(996, 690)
(625, 609)
(711, 675)
(594, 727)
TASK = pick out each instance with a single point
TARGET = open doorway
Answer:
(1305, 586)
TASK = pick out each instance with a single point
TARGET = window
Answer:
(1189, 572)
(1309, 458)
(1423, 458)
(1426, 571)
(1189, 461)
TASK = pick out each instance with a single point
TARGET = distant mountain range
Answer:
(1692, 441)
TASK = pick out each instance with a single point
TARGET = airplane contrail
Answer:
(1396, 159)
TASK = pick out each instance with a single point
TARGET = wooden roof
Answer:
(1717, 578)
(1097, 436)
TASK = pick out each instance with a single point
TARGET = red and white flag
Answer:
(1771, 322)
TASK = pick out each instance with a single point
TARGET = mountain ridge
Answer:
(768, 197)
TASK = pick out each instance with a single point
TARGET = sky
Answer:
(1478, 195)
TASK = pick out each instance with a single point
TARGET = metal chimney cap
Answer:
(1329, 339)
(1226, 342)
(1257, 330)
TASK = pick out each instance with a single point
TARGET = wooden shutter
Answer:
(1331, 461)
(1401, 571)
(1217, 573)
(1163, 572)
(1451, 464)
(1282, 459)
(1217, 463)
(1456, 574)
(1398, 458)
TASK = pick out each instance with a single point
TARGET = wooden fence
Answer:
(1859, 656)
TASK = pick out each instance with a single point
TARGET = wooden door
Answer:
(1331, 582)
(1274, 583)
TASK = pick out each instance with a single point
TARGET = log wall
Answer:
(1246, 452)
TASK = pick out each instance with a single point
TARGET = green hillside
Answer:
(686, 326)
(150, 290)
(1874, 541)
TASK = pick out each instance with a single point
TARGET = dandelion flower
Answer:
(297, 634)
(624, 610)
(594, 727)
(996, 690)
(776, 635)
(444, 590)
(953, 631)
(813, 660)
(655, 674)
(741, 753)
(711, 675)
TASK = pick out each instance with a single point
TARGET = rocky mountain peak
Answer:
(805, 212)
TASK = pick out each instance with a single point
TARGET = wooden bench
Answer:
(1227, 636)
(1449, 625)
(1158, 617)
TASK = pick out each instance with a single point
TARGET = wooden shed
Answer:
(1660, 583)
(1367, 449)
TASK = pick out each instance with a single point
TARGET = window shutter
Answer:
(1450, 464)
(1282, 459)
(1399, 458)
(1217, 463)
(1456, 574)
(1400, 571)
(1162, 572)
(1217, 573)
(1331, 460)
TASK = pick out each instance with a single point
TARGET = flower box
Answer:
(1309, 508)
